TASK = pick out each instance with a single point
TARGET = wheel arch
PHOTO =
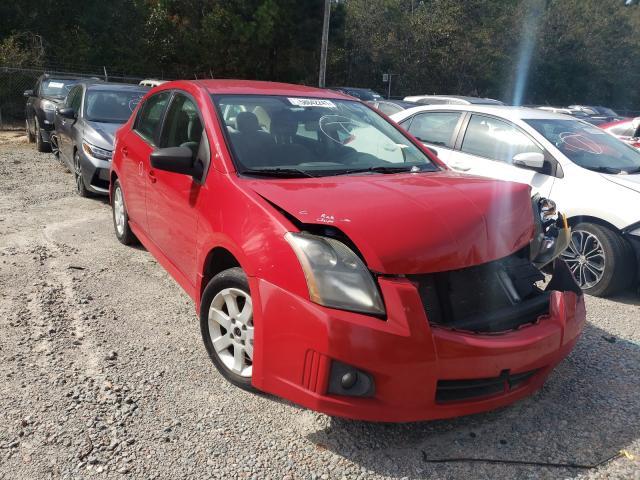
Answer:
(575, 220)
(217, 260)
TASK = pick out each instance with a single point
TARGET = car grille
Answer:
(492, 297)
(458, 390)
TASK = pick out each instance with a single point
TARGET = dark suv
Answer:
(42, 101)
(85, 128)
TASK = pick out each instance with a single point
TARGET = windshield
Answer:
(111, 106)
(56, 87)
(314, 137)
(588, 146)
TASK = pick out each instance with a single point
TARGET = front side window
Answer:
(496, 140)
(435, 127)
(314, 137)
(58, 88)
(589, 146)
(111, 106)
(183, 127)
(150, 116)
(389, 108)
(72, 100)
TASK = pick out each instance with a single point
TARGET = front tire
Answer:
(226, 323)
(41, 145)
(601, 261)
(81, 188)
(120, 216)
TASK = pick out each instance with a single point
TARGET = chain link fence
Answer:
(15, 80)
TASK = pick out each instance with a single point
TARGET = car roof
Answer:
(510, 113)
(113, 86)
(256, 87)
(471, 100)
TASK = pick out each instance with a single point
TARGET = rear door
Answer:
(436, 130)
(487, 146)
(172, 197)
(136, 146)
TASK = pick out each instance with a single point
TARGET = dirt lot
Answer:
(103, 374)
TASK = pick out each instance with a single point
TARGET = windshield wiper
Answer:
(604, 169)
(381, 169)
(277, 172)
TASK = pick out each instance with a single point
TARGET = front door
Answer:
(172, 197)
(64, 126)
(488, 148)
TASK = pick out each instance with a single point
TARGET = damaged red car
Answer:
(336, 262)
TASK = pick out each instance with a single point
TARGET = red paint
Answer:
(402, 224)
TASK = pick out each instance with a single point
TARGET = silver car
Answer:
(85, 128)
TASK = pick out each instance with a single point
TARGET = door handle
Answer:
(460, 166)
(152, 177)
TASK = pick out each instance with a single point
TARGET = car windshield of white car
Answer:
(111, 106)
(296, 136)
(589, 146)
(56, 87)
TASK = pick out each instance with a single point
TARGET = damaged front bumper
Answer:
(415, 365)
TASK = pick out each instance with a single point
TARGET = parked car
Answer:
(335, 272)
(593, 177)
(567, 111)
(451, 100)
(364, 94)
(597, 115)
(626, 130)
(389, 107)
(85, 127)
(42, 101)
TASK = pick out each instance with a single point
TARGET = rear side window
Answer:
(497, 140)
(435, 127)
(150, 116)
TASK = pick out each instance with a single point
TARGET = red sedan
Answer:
(627, 130)
(337, 263)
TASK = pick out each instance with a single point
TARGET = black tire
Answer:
(41, 145)
(126, 236)
(81, 188)
(231, 278)
(619, 261)
(30, 136)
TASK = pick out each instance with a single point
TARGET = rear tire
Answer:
(601, 261)
(226, 324)
(41, 145)
(120, 216)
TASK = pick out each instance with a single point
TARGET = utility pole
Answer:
(325, 43)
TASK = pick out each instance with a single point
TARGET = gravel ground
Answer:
(103, 374)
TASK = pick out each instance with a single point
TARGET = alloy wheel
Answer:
(118, 210)
(231, 330)
(585, 257)
(77, 171)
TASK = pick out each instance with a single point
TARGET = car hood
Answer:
(101, 134)
(412, 223)
(630, 181)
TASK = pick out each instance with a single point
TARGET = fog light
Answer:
(347, 380)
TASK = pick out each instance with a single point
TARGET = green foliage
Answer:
(585, 50)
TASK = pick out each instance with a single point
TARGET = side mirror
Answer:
(67, 112)
(28, 93)
(531, 160)
(174, 159)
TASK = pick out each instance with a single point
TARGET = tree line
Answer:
(554, 51)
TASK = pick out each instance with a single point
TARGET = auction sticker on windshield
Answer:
(56, 84)
(312, 102)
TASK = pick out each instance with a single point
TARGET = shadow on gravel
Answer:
(586, 412)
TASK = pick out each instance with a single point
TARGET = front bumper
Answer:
(95, 173)
(405, 355)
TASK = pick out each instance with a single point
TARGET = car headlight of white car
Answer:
(635, 231)
(336, 277)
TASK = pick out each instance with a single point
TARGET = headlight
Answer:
(48, 106)
(96, 152)
(336, 277)
(635, 232)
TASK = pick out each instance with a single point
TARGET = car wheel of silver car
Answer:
(79, 178)
(30, 137)
(601, 260)
(120, 215)
(226, 323)
(41, 145)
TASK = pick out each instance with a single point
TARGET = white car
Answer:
(593, 177)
